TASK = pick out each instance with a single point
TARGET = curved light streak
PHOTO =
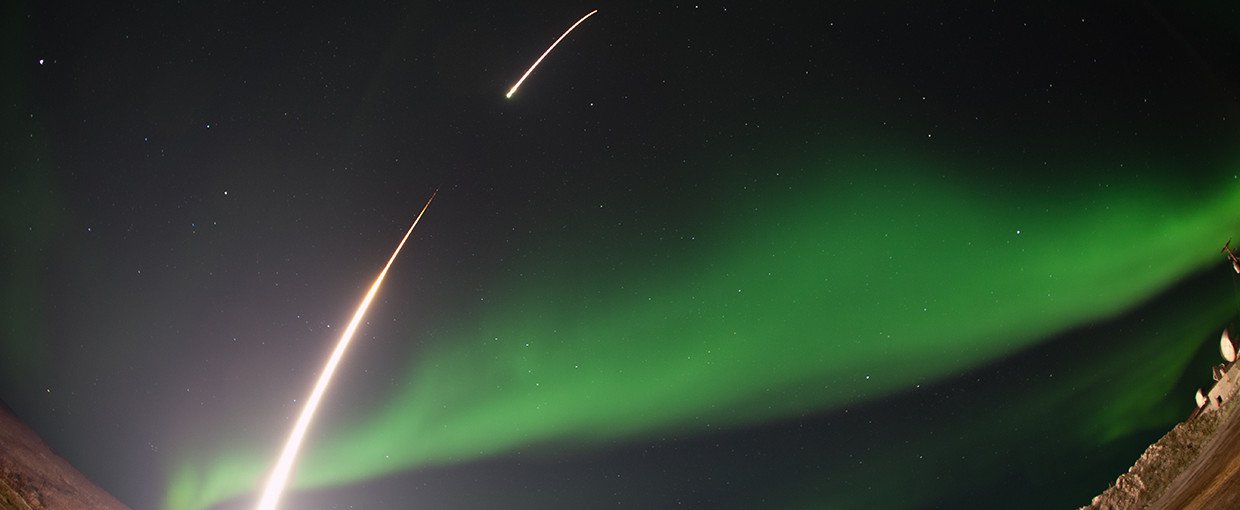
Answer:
(284, 467)
(513, 90)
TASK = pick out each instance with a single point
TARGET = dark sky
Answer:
(820, 255)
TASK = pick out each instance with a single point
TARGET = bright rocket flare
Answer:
(513, 90)
(279, 477)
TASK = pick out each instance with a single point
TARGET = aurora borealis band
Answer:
(288, 456)
(770, 330)
(801, 256)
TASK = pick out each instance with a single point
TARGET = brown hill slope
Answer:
(1161, 465)
(32, 477)
(1210, 481)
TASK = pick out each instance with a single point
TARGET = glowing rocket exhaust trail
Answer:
(279, 477)
(513, 90)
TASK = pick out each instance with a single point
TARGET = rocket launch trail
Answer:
(279, 476)
(513, 90)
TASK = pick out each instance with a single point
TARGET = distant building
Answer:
(1226, 378)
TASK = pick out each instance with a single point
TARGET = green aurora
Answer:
(29, 213)
(1027, 421)
(796, 303)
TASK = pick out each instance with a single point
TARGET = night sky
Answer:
(792, 256)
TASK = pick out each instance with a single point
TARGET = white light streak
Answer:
(513, 90)
(284, 467)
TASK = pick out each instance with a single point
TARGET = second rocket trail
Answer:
(279, 476)
(513, 90)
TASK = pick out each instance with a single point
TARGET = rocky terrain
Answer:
(32, 477)
(1172, 472)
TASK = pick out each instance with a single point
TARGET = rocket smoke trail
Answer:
(279, 476)
(513, 90)
(776, 320)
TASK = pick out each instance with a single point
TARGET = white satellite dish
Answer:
(1227, 347)
(1201, 399)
